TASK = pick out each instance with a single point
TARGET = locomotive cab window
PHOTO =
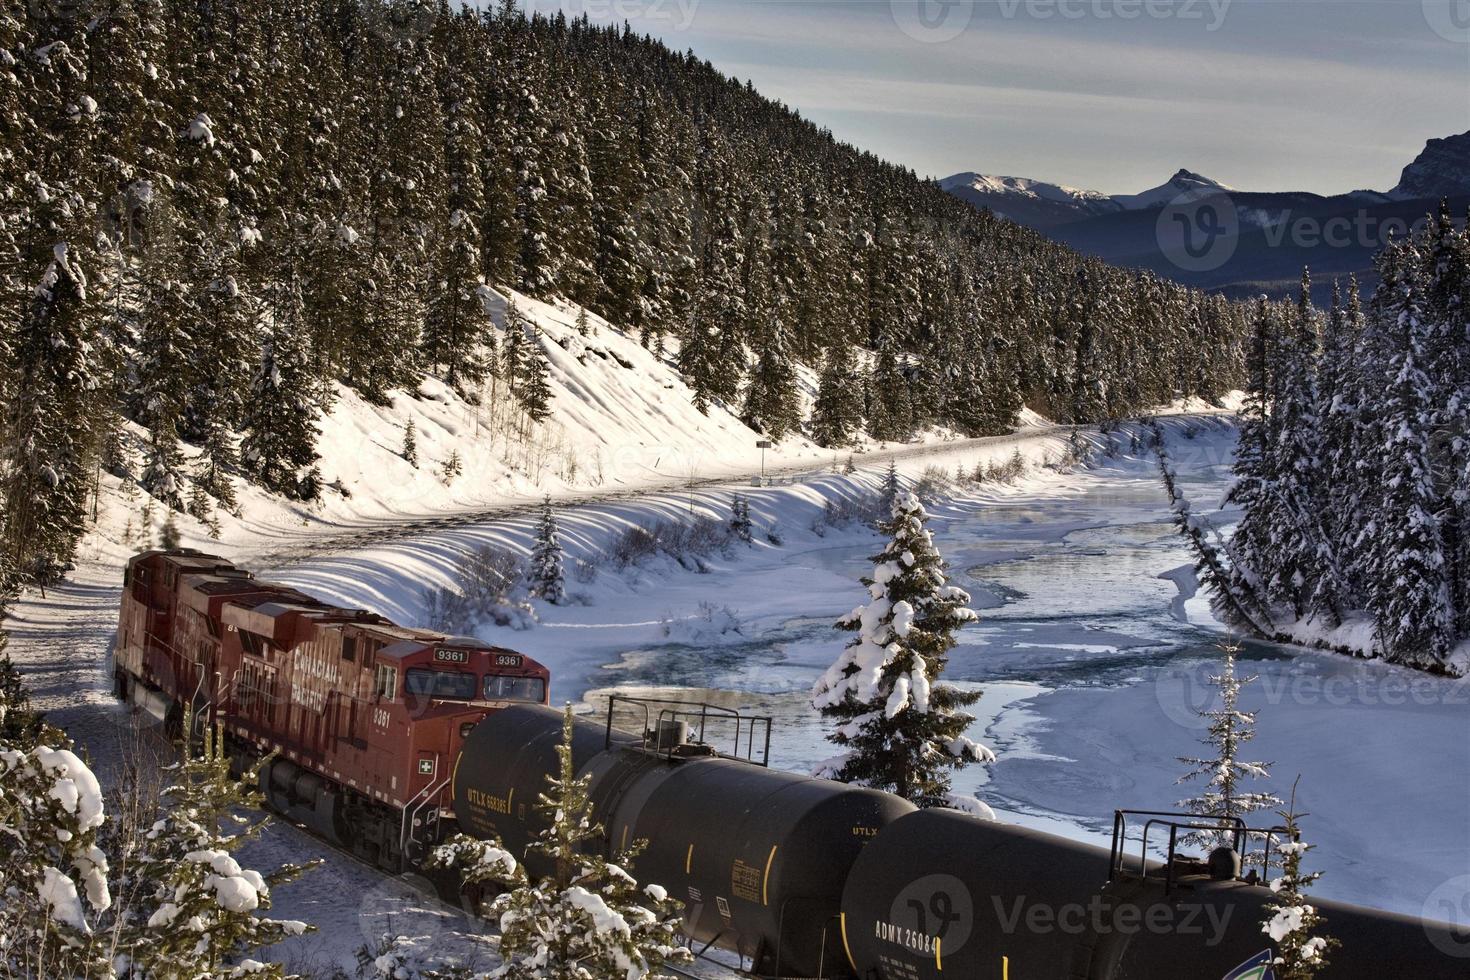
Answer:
(500, 688)
(385, 683)
(443, 685)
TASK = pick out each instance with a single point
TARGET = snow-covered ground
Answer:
(1090, 657)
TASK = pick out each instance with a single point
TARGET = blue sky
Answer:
(1111, 95)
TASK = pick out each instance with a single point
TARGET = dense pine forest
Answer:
(214, 214)
(1353, 469)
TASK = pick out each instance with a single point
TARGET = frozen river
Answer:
(1092, 667)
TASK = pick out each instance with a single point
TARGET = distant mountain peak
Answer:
(1184, 182)
(1442, 169)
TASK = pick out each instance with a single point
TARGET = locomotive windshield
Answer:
(447, 685)
(498, 688)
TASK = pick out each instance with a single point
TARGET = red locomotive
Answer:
(366, 717)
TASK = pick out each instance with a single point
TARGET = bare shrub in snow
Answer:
(864, 509)
(589, 917)
(490, 588)
(584, 571)
(933, 483)
(687, 543)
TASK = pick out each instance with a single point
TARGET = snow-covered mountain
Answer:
(1183, 183)
(1034, 203)
(1039, 204)
(1442, 169)
(1278, 231)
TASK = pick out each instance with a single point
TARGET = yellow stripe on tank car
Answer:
(766, 880)
(689, 859)
(842, 925)
(938, 961)
(1005, 968)
(454, 776)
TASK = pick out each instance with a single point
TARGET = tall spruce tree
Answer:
(837, 415)
(548, 581)
(1225, 775)
(899, 728)
(279, 448)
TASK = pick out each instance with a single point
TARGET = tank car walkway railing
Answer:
(667, 724)
(1239, 832)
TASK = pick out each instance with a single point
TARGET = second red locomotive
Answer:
(365, 718)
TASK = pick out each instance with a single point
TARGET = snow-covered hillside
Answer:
(622, 419)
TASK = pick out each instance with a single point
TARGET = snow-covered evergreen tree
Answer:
(889, 492)
(53, 882)
(185, 872)
(899, 728)
(1292, 919)
(410, 451)
(890, 409)
(588, 918)
(837, 415)
(1297, 486)
(772, 404)
(741, 528)
(1412, 595)
(279, 448)
(547, 577)
(1224, 774)
(50, 432)
(534, 393)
